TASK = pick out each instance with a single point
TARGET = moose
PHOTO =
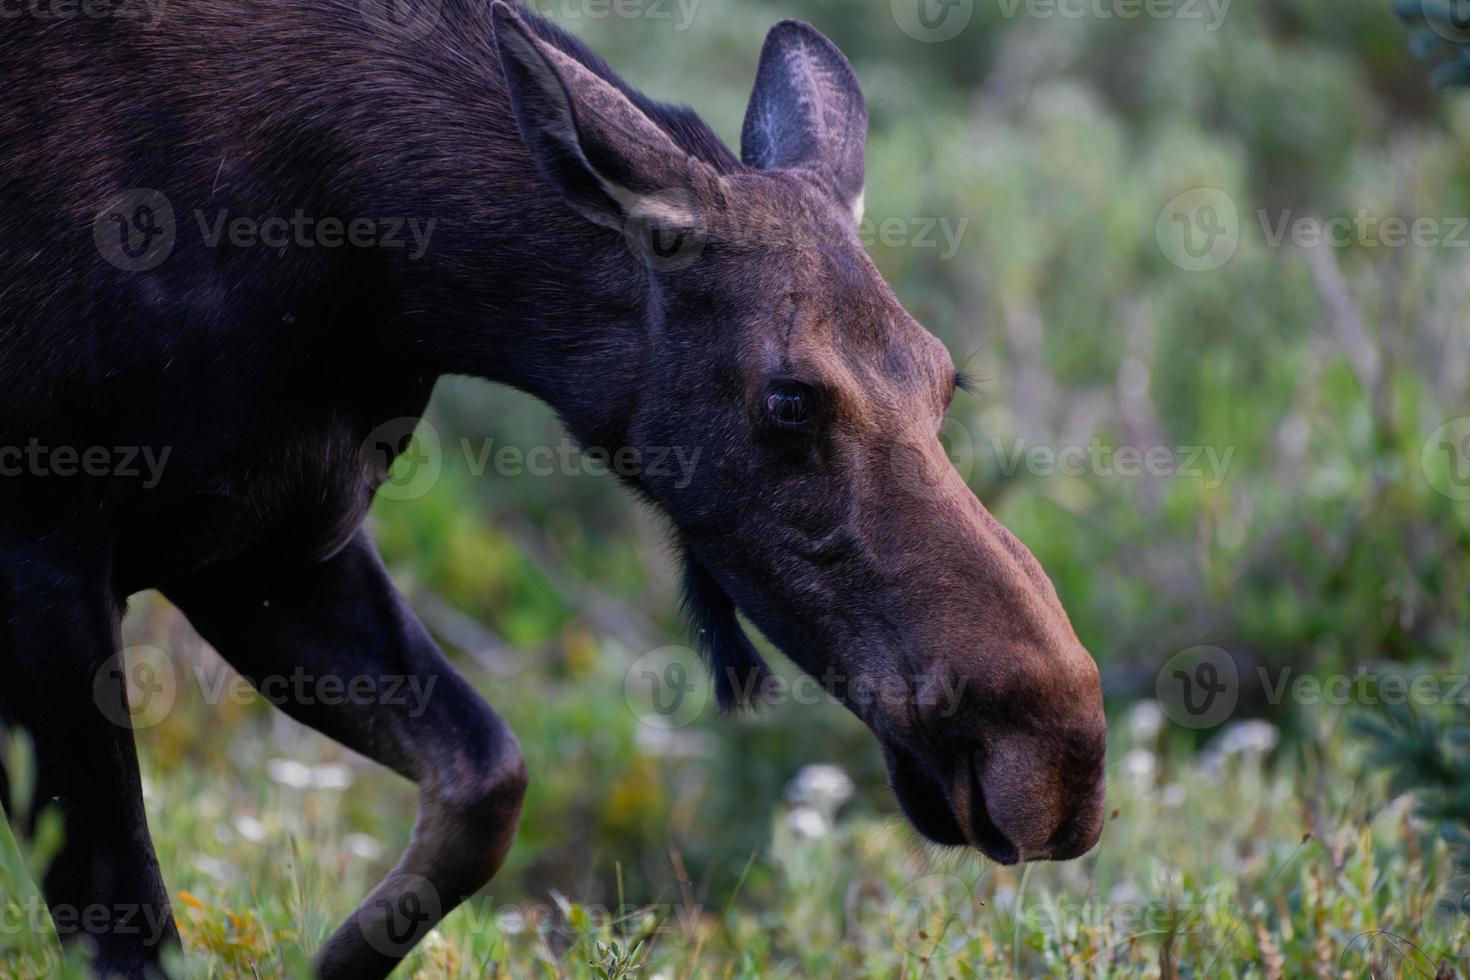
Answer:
(578, 241)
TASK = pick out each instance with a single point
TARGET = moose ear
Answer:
(807, 112)
(605, 155)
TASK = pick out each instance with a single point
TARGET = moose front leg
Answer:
(402, 705)
(61, 682)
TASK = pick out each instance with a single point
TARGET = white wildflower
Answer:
(824, 788)
(365, 847)
(250, 828)
(1252, 736)
(216, 868)
(1145, 721)
(808, 822)
(298, 775)
(289, 772)
(1140, 766)
(668, 743)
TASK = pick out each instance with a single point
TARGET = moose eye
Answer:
(787, 407)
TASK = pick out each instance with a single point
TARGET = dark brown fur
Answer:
(602, 252)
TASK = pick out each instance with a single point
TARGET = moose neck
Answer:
(515, 287)
(559, 314)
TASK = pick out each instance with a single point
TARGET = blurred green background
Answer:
(1024, 200)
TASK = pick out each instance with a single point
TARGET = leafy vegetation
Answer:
(1299, 870)
(1037, 190)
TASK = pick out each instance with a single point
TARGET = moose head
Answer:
(824, 508)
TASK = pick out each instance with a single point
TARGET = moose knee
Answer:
(471, 813)
(497, 789)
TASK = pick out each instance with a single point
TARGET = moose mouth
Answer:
(953, 812)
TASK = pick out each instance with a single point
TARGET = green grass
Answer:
(1212, 865)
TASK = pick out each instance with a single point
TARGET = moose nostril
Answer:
(981, 829)
(1065, 852)
(1002, 851)
(1034, 801)
(1074, 838)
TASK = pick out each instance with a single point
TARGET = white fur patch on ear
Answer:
(569, 116)
(859, 206)
(671, 209)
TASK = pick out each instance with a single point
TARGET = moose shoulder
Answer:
(248, 246)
